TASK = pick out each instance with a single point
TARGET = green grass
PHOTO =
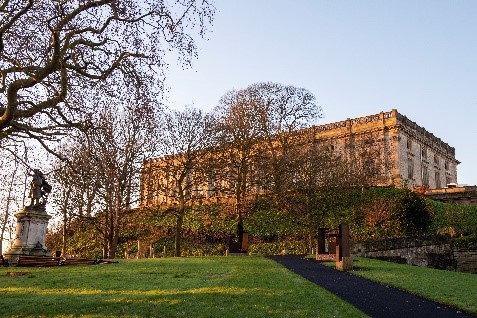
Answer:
(458, 290)
(172, 287)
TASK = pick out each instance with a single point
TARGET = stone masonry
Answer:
(434, 251)
(409, 155)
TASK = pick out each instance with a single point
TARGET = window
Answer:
(436, 160)
(410, 169)
(423, 154)
(368, 141)
(409, 144)
(447, 165)
(425, 176)
(438, 180)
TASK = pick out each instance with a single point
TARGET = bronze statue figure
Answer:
(39, 189)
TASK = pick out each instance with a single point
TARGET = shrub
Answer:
(412, 212)
(270, 223)
(469, 241)
(278, 248)
(454, 219)
(390, 212)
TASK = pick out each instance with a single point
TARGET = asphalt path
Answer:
(374, 299)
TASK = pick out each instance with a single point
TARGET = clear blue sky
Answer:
(357, 57)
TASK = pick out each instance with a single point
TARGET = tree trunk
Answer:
(63, 246)
(114, 235)
(177, 242)
(105, 248)
(64, 208)
(7, 212)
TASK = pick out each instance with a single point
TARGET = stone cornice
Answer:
(419, 132)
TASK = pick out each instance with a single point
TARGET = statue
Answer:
(32, 222)
(39, 189)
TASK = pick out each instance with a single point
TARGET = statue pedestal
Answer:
(31, 228)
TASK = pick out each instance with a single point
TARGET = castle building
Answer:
(410, 156)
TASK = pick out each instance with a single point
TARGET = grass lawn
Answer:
(458, 290)
(171, 287)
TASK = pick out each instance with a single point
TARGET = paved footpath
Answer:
(374, 299)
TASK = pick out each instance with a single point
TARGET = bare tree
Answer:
(76, 188)
(101, 181)
(286, 113)
(178, 179)
(55, 55)
(316, 187)
(332, 178)
(259, 132)
(14, 171)
(239, 134)
(8, 197)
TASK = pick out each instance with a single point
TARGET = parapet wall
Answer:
(459, 195)
(365, 123)
(381, 120)
(425, 136)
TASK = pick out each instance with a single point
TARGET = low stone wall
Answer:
(466, 260)
(429, 251)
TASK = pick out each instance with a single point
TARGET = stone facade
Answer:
(411, 155)
(466, 195)
(430, 251)
(466, 260)
(425, 160)
(408, 155)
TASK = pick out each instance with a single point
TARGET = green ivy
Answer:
(465, 242)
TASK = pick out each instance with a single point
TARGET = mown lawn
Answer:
(172, 287)
(458, 290)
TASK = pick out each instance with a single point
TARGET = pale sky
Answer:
(358, 58)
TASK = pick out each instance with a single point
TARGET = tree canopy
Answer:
(58, 55)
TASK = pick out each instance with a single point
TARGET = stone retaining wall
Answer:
(466, 260)
(429, 251)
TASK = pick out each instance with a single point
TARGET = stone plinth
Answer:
(32, 224)
(346, 264)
